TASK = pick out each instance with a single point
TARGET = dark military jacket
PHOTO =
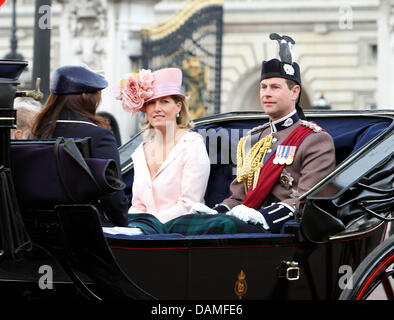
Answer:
(314, 159)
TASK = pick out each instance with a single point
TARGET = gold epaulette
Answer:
(250, 164)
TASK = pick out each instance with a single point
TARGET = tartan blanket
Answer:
(193, 224)
(147, 222)
(198, 224)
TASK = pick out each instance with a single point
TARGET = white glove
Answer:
(201, 208)
(248, 215)
(123, 230)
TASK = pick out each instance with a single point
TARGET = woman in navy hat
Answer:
(70, 112)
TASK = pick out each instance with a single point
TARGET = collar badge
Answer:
(288, 122)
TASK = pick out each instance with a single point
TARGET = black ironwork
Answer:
(196, 48)
(14, 240)
(10, 70)
(42, 45)
(14, 41)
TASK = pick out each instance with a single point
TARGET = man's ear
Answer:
(296, 92)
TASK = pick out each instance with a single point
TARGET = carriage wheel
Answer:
(376, 270)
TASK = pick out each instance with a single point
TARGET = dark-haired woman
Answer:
(70, 112)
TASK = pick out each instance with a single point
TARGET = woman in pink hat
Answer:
(171, 165)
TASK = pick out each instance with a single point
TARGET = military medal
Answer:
(278, 155)
(282, 159)
(290, 157)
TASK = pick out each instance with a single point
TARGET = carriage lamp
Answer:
(321, 103)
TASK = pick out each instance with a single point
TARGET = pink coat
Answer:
(180, 182)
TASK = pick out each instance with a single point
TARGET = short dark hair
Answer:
(291, 83)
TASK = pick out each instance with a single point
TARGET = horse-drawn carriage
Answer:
(333, 249)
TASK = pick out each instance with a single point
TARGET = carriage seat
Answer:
(349, 135)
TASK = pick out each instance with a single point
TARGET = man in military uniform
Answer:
(281, 160)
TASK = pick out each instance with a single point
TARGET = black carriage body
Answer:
(247, 266)
(211, 266)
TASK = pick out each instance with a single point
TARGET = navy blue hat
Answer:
(76, 79)
(275, 68)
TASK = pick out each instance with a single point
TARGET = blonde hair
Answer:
(183, 121)
(25, 115)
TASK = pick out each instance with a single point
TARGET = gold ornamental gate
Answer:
(192, 41)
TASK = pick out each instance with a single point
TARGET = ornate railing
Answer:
(191, 40)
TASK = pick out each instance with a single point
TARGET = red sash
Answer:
(271, 172)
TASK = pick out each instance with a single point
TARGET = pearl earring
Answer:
(177, 115)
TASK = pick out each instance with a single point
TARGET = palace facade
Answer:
(345, 48)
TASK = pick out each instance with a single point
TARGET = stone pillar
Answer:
(124, 20)
(116, 65)
(385, 94)
(83, 32)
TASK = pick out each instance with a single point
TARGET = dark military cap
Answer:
(283, 67)
(275, 68)
(76, 79)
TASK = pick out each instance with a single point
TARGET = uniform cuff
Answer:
(276, 215)
(221, 208)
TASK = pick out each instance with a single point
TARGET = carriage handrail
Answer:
(362, 205)
(374, 189)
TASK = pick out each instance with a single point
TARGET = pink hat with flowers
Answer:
(167, 82)
(143, 86)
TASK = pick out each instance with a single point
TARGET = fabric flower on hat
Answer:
(135, 90)
(145, 79)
